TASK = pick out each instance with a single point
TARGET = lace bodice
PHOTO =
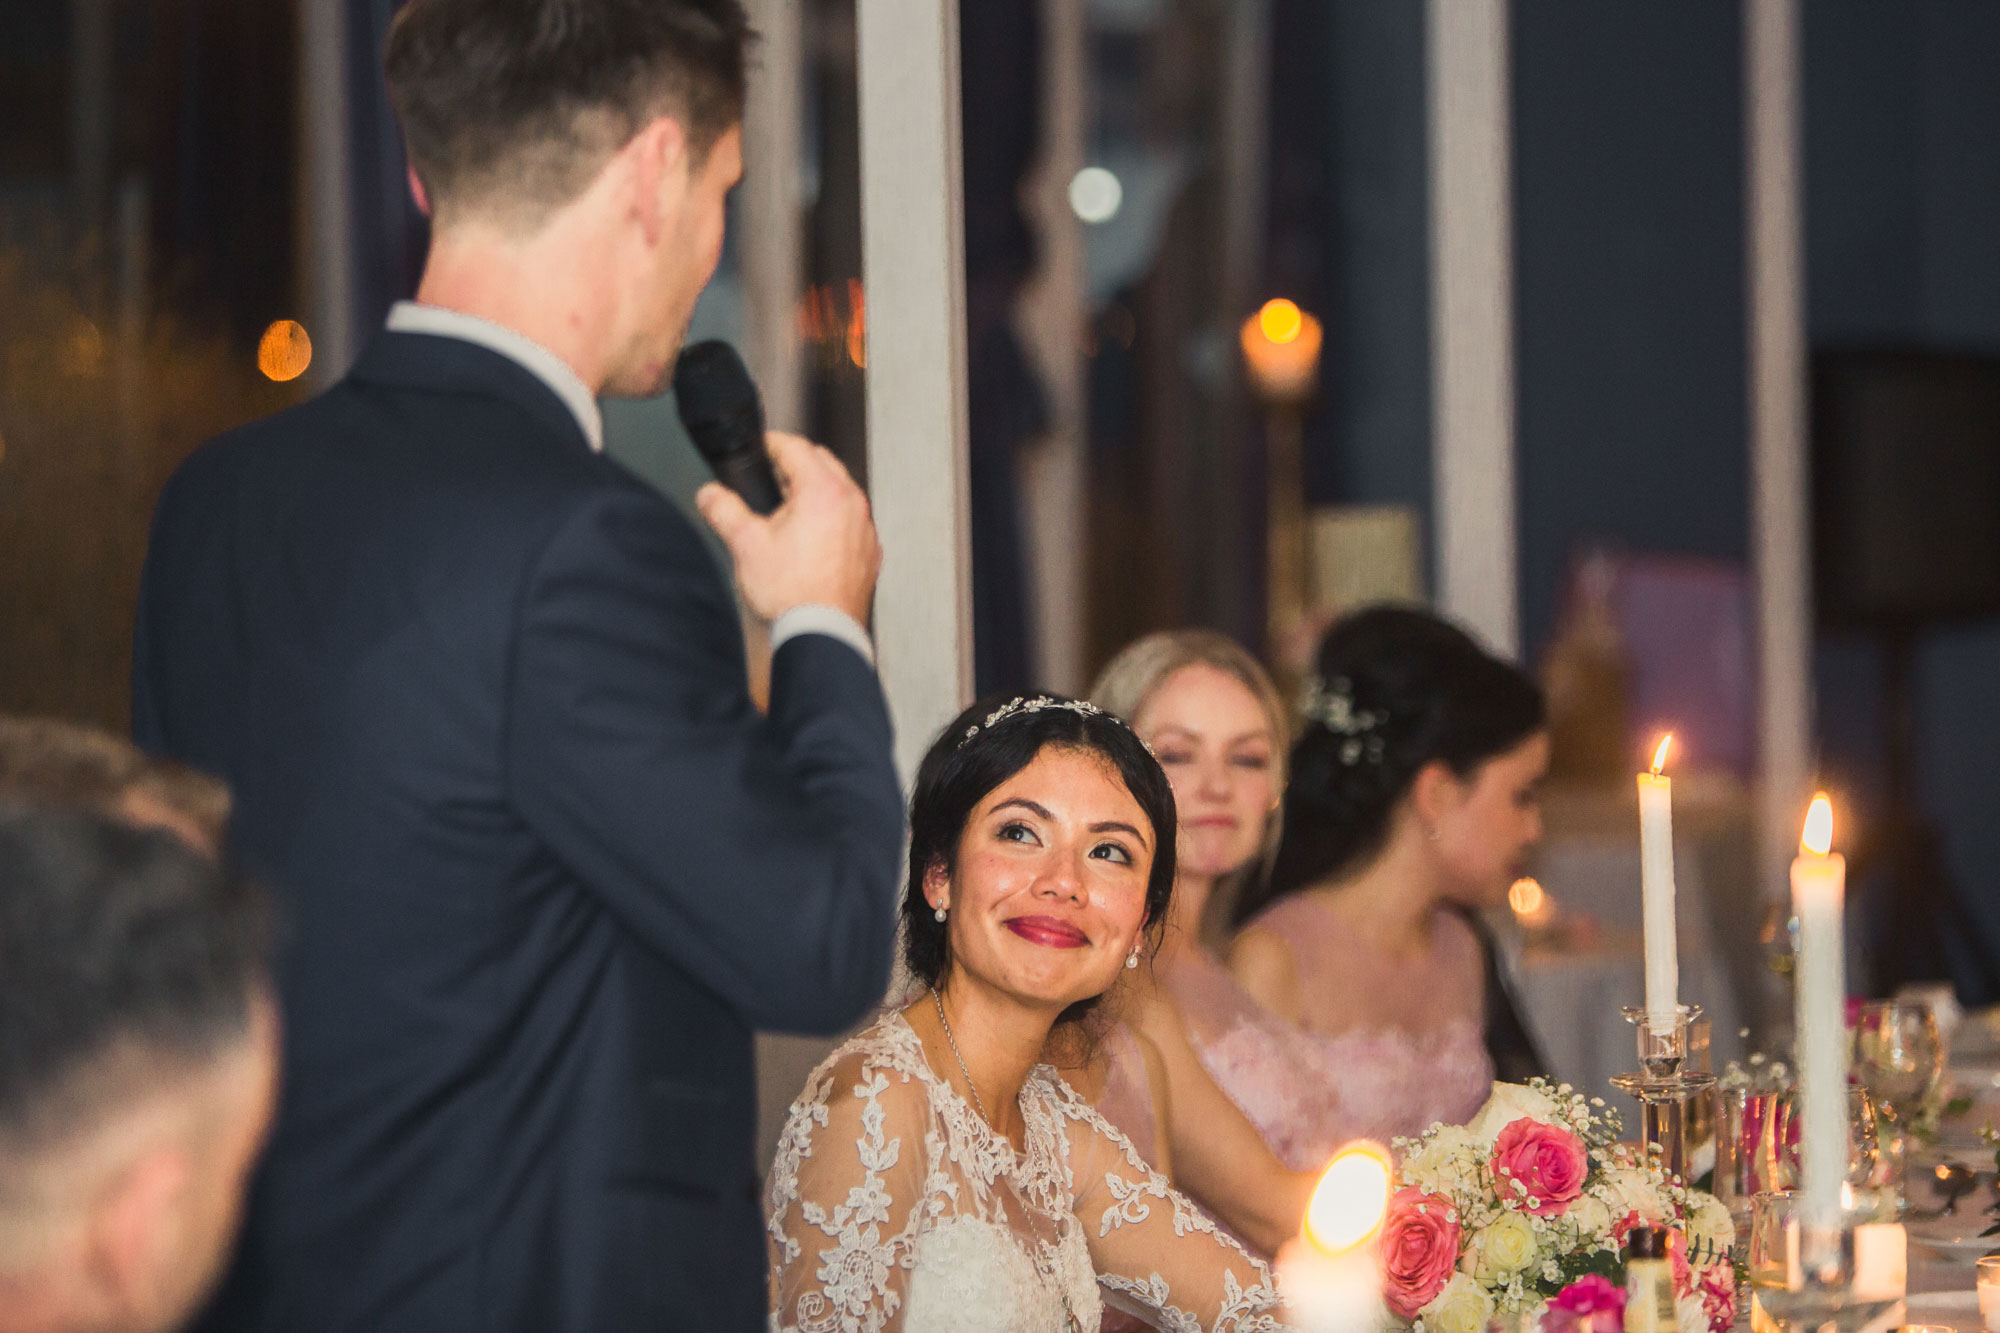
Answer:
(1309, 1090)
(894, 1206)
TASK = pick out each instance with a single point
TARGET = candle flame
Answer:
(1660, 755)
(1351, 1199)
(1526, 897)
(1818, 836)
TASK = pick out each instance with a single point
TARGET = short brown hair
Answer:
(519, 103)
(47, 761)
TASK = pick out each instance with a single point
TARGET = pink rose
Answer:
(1595, 1304)
(1548, 1159)
(1419, 1246)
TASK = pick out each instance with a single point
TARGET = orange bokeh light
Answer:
(1280, 320)
(284, 352)
(1350, 1200)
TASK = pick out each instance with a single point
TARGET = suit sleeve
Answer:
(760, 854)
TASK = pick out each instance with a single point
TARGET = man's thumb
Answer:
(724, 511)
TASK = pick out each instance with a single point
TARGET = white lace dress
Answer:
(894, 1206)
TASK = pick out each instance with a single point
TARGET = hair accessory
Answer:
(1330, 704)
(939, 914)
(1023, 704)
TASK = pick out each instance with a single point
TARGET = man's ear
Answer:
(136, 1232)
(656, 166)
(418, 193)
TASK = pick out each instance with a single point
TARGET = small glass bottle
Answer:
(1649, 1282)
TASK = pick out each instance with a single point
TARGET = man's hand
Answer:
(818, 548)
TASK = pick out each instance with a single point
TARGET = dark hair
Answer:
(113, 939)
(978, 752)
(520, 102)
(1396, 689)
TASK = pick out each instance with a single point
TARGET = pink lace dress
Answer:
(1384, 1050)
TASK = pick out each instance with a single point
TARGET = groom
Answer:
(480, 694)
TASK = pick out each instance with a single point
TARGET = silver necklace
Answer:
(952, 1041)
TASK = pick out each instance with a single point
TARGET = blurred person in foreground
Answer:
(1415, 796)
(48, 760)
(138, 1062)
(936, 1175)
(481, 695)
(1215, 723)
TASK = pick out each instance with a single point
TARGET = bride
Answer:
(935, 1176)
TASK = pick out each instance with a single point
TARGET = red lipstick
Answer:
(1048, 932)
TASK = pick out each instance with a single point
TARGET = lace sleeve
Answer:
(846, 1199)
(1150, 1245)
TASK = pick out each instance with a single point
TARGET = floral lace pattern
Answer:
(894, 1206)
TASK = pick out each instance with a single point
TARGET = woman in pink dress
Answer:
(1214, 721)
(1414, 799)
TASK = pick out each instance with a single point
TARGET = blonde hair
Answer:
(1128, 683)
(45, 759)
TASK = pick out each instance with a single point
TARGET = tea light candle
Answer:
(1331, 1274)
(1881, 1261)
(1989, 1293)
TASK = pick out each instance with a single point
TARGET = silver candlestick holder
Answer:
(1664, 1085)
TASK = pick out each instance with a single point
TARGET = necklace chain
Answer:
(1069, 1312)
(952, 1041)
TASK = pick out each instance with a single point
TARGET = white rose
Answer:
(1462, 1307)
(1505, 1247)
(1709, 1224)
(1509, 1102)
(1631, 1190)
(1447, 1163)
(1590, 1217)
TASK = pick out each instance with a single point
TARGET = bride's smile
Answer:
(1048, 890)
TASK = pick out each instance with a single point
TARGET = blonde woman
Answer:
(1214, 720)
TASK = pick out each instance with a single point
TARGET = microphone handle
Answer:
(748, 473)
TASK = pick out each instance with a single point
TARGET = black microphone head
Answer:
(717, 400)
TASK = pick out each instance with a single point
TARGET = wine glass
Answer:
(1899, 1058)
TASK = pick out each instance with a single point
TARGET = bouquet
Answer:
(1527, 1209)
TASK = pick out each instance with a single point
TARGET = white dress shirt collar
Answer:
(531, 356)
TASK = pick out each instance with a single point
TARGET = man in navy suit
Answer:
(481, 696)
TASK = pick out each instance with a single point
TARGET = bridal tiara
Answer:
(1330, 704)
(1023, 704)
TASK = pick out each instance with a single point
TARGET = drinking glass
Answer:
(1899, 1058)
(1801, 1280)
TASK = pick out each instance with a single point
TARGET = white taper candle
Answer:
(1818, 891)
(1656, 887)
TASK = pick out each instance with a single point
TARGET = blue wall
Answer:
(1903, 246)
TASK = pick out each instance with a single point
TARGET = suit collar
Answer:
(442, 364)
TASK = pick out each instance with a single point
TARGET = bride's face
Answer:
(1049, 893)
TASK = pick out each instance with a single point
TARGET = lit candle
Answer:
(1818, 888)
(1656, 887)
(1331, 1274)
(1881, 1261)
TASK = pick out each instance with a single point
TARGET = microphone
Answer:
(718, 405)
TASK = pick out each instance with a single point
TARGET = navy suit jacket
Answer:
(480, 695)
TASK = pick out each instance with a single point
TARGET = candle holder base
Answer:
(1662, 1087)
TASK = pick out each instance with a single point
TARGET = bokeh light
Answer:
(1281, 320)
(284, 352)
(1095, 194)
(1348, 1205)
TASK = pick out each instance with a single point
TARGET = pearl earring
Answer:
(939, 914)
(1132, 959)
